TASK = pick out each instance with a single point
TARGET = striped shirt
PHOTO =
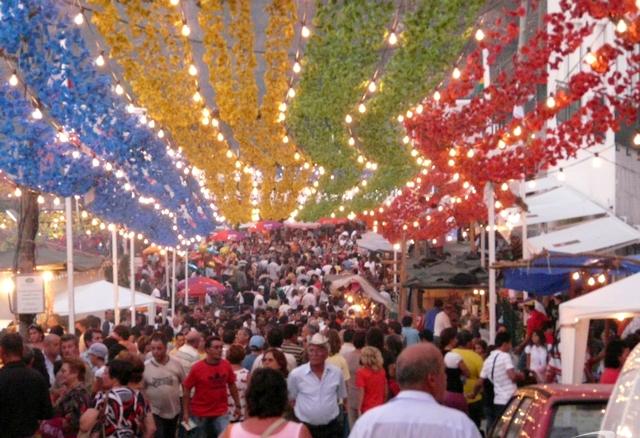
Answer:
(293, 349)
(503, 387)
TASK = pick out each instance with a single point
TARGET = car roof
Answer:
(560, 392)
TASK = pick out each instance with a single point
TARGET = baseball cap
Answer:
(319, 339)
(256, 342)
(99, 350)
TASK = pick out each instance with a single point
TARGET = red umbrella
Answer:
(225, 235)
(200, 286)
(268, 225)
(333, 221)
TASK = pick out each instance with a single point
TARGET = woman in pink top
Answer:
(267, 400)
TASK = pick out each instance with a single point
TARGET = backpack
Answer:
(487, 385)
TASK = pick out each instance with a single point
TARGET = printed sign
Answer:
(30, 294)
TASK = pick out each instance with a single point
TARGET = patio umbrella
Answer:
(200, 286)
(333, 221)
(268, 225)
(228, 235)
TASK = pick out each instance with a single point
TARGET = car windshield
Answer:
(573, 419)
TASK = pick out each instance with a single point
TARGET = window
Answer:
(570, 420)
(503, 422)
(519, 418)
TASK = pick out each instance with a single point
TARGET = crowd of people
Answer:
(279, 354)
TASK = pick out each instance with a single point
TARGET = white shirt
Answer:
(346, 348)
(503, 387)
(414, 414)
(441, 322)
(308, 299)
(538, 358)
(316, 400)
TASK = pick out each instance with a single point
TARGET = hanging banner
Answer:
(29, 294)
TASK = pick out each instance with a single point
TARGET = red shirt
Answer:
(210, 382)
(373, 384)
(535, 322)
(609, 375)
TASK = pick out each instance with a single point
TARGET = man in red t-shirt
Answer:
(536, 319)
(209, 378)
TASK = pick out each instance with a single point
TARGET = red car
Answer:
(553, 411)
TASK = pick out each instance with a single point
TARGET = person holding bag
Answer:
(267, 400)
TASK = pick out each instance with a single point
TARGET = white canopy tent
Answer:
(374, 242)
(338, 281)
(96, 298)
(617, 300)
(607, 233)
(557, 204)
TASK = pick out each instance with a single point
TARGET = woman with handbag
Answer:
(267, 399)
(72, 403)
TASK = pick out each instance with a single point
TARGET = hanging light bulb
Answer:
(161, 134)
(95, 162)
(197, 97)
(285, 139)
(400, 118)
(590, 58)
(119, 89)
(215, 123)
(13, 80)
(174, 2)
(479, 35)
(517, 131)
(186, 30)
(351, 141)
(193, 70)
(282, 107)
(348, 119)
(220, 136)
(456, 73)
(622, 26)
(291, 93)
(597, 161)
(393, 39)
(108, 167)
(636, 139)
(551, 102)
(419, 109)
(561, 175)
(78, 19)
(362, 108)
(296, 67)
(296, 156)
(75, 155)
(501, 144)
(305, 31)
(40, 199)
(504, 187)
(56, 201)
(470, 153)
(36, 114)
(436, 96)
(372, 87)
(406, 139)
(100, 60)
(17, 192)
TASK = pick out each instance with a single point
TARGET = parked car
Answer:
(622, 416)
(553, 411)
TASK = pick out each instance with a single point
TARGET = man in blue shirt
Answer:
(430, 317)
(409, 334)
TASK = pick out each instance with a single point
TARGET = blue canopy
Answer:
(550, 273)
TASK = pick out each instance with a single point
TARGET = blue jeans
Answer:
(208, 427)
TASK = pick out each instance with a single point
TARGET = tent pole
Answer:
(173, 283)
(116, 288)
(492, 260)
(166, 271)
(186, 277)
(132, 278)
(71, 295)
(523, 219)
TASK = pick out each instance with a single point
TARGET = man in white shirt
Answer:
(442, 322)
(309, 298)
(316, 388)
(415, 411)
(499, 369)
(188, 354)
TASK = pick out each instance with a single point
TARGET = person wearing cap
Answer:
(97, 355)
(256, 345)
(315, 388)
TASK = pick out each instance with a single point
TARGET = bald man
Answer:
(51, 350)
(415, 411)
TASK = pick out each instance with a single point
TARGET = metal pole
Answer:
(132, 278)
(483, 246)
(186, 277)
(523, 219)
(173, 284)
(166, 270)
(492, 260)
(116, 288)
(71, 294)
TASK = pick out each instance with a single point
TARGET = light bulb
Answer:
(229, 153)
(400, 118)
(40, 199)
(602, 278)
(108, 167)
(517, 131)
(13, 80)
(285, 139)
(63, 137)
(591, 281)
(348, 119)
(291, 93)
(197, 97)
(296, 67)
(436, 96)
(174, 2)
(282, 107)
(119, 174)
(119, 90)
(193, 70)
(470, 153)
(360, 159)
(551, 102)
(456, 73)
(95, 162)
(36, 114)
(362, 108)
(17, 193)
(100, 60)
(622, 27)
(127, 187)
(215, 123)
(636, 139)
(161, 134)
(419, 109)
(575, 276)
(220, 136)
(393, 39)
(501, 144)
(185, 31)
(78, 19)
(406, 139)
(372, 87)
(305, 32)
(590, 58)
(504, 187)
(296, 156)
(479, 35)
(352, 141)
(561, 175)
(75, 155)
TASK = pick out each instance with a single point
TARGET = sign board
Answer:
(29, 294)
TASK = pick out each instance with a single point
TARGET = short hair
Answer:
(69, 337)
(274, 337)
(228, 336)
(37, 328)
(426, 335)
(464, 337)
(122, 331)
(11, 343)
(502, 338)
(412, 371)
(120, 370)
(77, 366)
(395, 326)
(235, 354)
(438, 303)
(407, 321)
(290, 330)
(375, 338)
(359, 339)
(371, 358)
(334, 341)
(347, 335)
(159, 337)
(137, 365)
(267, 394)
(446, 336)
(612, 353)
(88, 335)
(210, 340)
